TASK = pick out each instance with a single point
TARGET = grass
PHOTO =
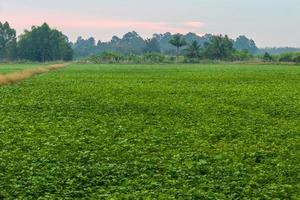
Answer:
(150, 131)
(9, 68)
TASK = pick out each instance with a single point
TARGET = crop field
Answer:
(222, 131)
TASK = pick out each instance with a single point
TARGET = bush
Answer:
(191, 60)
(132, 58)
(267, 57)
(111, 57)
(286, 57)
(115, 57)
(158, 58)
(297, 58)
(243, 55)
(290, 57)
(153, 58)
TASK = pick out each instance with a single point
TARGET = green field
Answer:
(152, 132)
(9, 68)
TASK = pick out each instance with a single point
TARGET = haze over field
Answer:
(268, 22)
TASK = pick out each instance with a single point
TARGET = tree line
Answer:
(40, 44)
(217, 47)
(132, 43)
(133, 48)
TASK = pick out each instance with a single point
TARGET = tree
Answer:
(152, 46)
(111, 57)
(267, 57)
(131, 43)
(286, 57)
(8, 42)
(194, 50)
(85, 47)
(243, 43)
(242, 55)
(289, 57)
(178, 42)
(44, 44)
(280, 50)
(297, 58)
(219, 48)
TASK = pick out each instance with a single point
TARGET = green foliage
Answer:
(279, 50)
(243, 55)
(289, 57)
(267, 57)
(132, 43)
(106, 57)
(84, 48)
(44, 44)
(297, 58)
(286, 57)
(115, 57)
(193, 54)
(154, 58)
(152, 46)
(219, 48)
(8, 42)
(111, 57)
(152, 132)
(193, 50)
(243, 43)
(178, 42)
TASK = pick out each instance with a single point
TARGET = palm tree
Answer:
(178, 42)
(194, 50)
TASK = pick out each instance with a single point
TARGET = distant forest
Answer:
(42, 43)
(133, 43)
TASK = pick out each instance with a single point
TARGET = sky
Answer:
(269, 22)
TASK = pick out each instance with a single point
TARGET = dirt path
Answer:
(15, 77)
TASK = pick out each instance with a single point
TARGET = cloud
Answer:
(78, 25)
(194, 24)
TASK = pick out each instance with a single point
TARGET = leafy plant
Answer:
(178, 42)
(99, 131)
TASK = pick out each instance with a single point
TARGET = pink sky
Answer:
(89, 26)
(104, 18)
